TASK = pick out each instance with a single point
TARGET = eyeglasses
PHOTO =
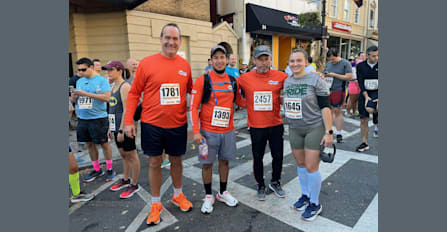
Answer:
(82, 69)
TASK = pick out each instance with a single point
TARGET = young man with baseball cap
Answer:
(214, 93)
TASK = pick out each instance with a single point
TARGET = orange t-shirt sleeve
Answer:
(133, 97)
(196, 99)
(240, 101)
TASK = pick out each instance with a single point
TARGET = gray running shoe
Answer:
(261, 193)
(276, 188)
(82, 197)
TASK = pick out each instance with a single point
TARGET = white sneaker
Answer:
(207, 206)
(227, 199)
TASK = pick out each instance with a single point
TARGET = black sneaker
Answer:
(93, 174)
(276, 188)
(339, 139)
(261, 193)
(362, 147)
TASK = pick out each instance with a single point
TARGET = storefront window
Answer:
(344, 48)
(356, 47)
(333, 42)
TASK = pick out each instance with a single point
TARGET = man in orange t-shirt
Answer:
(165, 79)
(262, 89)
(216, 125)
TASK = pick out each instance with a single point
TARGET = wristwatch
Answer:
(329, 132)
(120, 131)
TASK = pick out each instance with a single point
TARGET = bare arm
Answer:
(124, 92)
(100, 97)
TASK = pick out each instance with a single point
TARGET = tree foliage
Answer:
(309, 19)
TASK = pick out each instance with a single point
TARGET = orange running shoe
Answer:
(154, 216)
(181, 202)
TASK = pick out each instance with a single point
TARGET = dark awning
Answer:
(263, 20)
(92, 6)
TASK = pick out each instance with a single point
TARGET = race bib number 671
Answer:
(170, 94)
(85, 102)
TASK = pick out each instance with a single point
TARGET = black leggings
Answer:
(259, 138)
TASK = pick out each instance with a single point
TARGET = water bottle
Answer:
(203, 150)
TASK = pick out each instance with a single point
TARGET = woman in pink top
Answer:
(354, 89)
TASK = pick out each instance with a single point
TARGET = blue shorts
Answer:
(155, 139)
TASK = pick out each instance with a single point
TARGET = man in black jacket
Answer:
(368, 79)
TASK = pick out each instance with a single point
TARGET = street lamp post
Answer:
(323, 34)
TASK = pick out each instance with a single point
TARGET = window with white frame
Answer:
(357, 15)
(334, 8)
(371, 18)
(346, 11)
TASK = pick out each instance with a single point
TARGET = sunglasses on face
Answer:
(82, 69)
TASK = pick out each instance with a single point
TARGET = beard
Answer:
(219, 71)
(262, 70)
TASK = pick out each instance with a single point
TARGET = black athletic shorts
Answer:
(92, 130)
(361, 104)
(156, 139)
(127, 145)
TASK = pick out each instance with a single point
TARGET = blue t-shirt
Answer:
(97, 85)
(232, 71)
(208, 68)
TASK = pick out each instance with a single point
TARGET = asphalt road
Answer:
(349, 195)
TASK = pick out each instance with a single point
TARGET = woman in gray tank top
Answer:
(126, 145)
(306, 105)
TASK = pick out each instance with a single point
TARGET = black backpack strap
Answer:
(234, 85)
(206, 89)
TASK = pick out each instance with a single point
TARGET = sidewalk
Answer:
(83, 158)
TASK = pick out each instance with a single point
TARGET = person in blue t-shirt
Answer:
(209, 67)
(91, 96)
(231, 69)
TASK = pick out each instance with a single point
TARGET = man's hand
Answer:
(198, 138)
(130, 131)
(79, 92)
(120, 137)
(109, 134)
(319, 74)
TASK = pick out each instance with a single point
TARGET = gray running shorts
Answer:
(308, 138)
(219, 145)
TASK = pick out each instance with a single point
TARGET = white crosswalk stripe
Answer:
(282, 211)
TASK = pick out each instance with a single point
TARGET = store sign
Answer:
(341, 27)
(292, 20)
